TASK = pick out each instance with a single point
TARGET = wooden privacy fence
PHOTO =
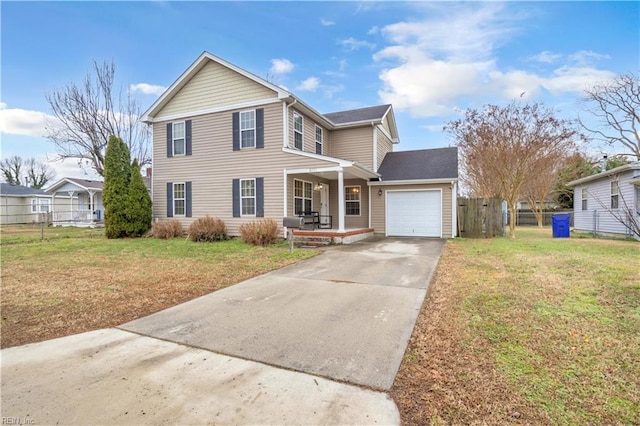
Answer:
(480, 217)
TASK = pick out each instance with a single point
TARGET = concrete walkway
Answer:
(252, 353)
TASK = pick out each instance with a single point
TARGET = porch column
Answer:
(341, 201)
(53, 208)
(70, 205)
(92, 206)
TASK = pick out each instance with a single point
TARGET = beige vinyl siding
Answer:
(384, 146)
(214, 165)
(215, 86)
(308, 134)
(354, 145)
(351, 222)
(378, 208)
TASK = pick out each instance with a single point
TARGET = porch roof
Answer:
(83, 184)
(351, 171)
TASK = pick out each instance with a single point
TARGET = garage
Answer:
(414, 213)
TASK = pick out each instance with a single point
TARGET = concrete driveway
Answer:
(346, 314)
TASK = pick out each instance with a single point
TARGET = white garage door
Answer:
(414, 214)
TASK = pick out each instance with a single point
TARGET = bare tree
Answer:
(17, 171)
(501, 147)
(12, 169)
(616, 105)
(90, 112)
(537, 187)
(38, 174)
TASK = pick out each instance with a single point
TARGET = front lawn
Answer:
(76, 280)
(532, 331)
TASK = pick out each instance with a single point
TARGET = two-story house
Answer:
(229, 144)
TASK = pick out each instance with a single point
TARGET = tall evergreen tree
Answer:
(117, 173)
(138, 209)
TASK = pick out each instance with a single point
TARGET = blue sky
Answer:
(431, 60)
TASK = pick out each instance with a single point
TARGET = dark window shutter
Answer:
(260, 128)
(259, 197)
(187, 137)
(236, 131)
(236, 197)
(187, 201)
(169, 139)
(169, 199)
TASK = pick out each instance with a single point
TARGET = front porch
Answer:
(320, 237)
(79, 218)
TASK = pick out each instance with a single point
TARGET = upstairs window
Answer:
(318, 140)
(352, 200)
(584, 198)
(248, 129)
(297, 131)
(178, 138)
(615, 192)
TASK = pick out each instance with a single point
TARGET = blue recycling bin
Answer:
(560, 224)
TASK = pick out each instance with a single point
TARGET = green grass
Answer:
(77, 280)
(561, 320)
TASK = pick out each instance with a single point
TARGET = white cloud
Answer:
(354, 44)
(326, 22)
(281, 66)
(147, 89)
(373, 31)
(586, 57)
(17, 121)
(311, 84)
(434, 65)
(546, 57)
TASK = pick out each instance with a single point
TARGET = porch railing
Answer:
(84, 216)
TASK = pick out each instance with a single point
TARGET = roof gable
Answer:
(424, 164)
(203, 61)
(82, 184)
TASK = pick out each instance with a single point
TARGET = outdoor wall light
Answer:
(379, 192)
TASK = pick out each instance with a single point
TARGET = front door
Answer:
(324, 205)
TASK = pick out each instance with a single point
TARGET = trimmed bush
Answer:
(117, 174)
(167, 229)
(138, 209)
(208, 229)
(260, 232)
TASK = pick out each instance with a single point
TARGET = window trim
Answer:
(301, 131)
(34, 205)
(319, 143)
(359, 200)
(615, 196)
(584, 193)
(303, 198)
(44, 202)
(254, 197)
(184, 198)
(184, 138)
(254, 128)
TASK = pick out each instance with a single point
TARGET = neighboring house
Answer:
(21, 204)
(82, 205)
(599, 200)
(229, 144)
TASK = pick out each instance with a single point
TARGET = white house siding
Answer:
(215, 86)
(384, 146)
(213, 165)
(15, 210)
(597, 217)
(378, 208)
(354, 145)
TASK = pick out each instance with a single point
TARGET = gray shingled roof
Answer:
(355, 115)
(424, 164)
(8, 189)
(89, 184)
